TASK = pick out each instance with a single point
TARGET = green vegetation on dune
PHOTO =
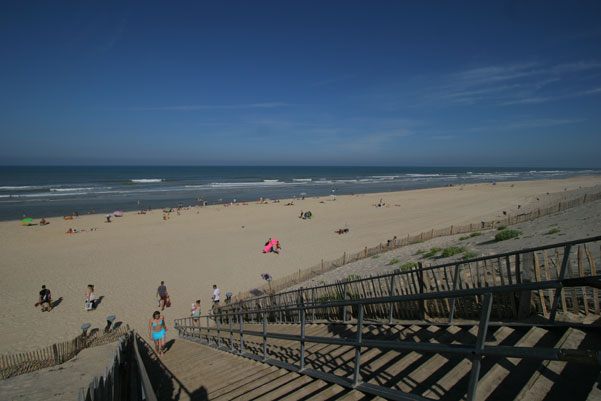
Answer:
(408, 266)
(507, 234)
(432, 252)
(452, 251)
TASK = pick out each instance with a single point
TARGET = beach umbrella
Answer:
(118, 213)
(26, 221)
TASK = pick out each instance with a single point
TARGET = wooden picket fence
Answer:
(55, 354)
(326, 266)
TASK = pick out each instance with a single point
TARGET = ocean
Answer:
(60, 191)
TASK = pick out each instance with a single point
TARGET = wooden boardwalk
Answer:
(197, 372)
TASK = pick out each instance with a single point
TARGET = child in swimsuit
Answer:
(157, 330)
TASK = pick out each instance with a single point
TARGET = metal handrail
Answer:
(567, 244)
(475, 352)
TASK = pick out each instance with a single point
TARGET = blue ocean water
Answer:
(57, 191)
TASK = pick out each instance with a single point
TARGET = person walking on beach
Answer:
(216, 293)
(163, 294)
(156, 331)
(45, 299)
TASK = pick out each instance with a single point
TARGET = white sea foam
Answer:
(423, 175)
(246, 184)
(302, 179)
(146, 180)
(20, 187)
(71, 189)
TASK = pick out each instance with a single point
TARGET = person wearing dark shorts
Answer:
(162, 293)
(45, 299)
(216, 293)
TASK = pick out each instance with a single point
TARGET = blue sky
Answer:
(422, 83)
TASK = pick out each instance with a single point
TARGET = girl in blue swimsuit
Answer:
(156, 331)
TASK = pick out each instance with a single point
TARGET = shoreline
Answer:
(298, 199)
(105, 190)
(127, 259)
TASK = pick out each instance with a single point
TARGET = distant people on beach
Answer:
(45, 299)
(90, 298)
(162, 294)
(43, 222)
(392, 242)
(215, 298)
(306, 215)
(108, 218)
(342, 231)
(157, 331)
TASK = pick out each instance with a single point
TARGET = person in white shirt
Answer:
(215, 296)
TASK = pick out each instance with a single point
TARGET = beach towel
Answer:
(270, 245)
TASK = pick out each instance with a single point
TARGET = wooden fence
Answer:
(326, 266)
(18, 364)
(581, 259)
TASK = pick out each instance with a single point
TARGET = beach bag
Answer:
(168, 302)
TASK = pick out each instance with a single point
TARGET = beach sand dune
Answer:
(127, 259)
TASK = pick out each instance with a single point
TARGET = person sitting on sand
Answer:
(90, 297)
(43, 222)
(156, 331)
(342, 231)
(45, 299)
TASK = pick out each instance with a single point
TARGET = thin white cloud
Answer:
(268, 105)
(525, 83)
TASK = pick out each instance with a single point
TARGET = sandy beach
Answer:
(127, 259)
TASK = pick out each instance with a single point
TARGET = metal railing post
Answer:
(229, 318)
(391, 293)
(241, 331)
(562, 275)
(217, 322)
(208, 330)
(313, 303)
(455, 284)
(302, 341)
(280, 306)
(344, 307)
(300, 302)
(264, 331)
(358, 346)
(477, 358)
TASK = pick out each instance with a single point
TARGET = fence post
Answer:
(455, 283)
(526, 276)
(562, 275)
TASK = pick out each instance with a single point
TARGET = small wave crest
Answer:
(146, 180)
